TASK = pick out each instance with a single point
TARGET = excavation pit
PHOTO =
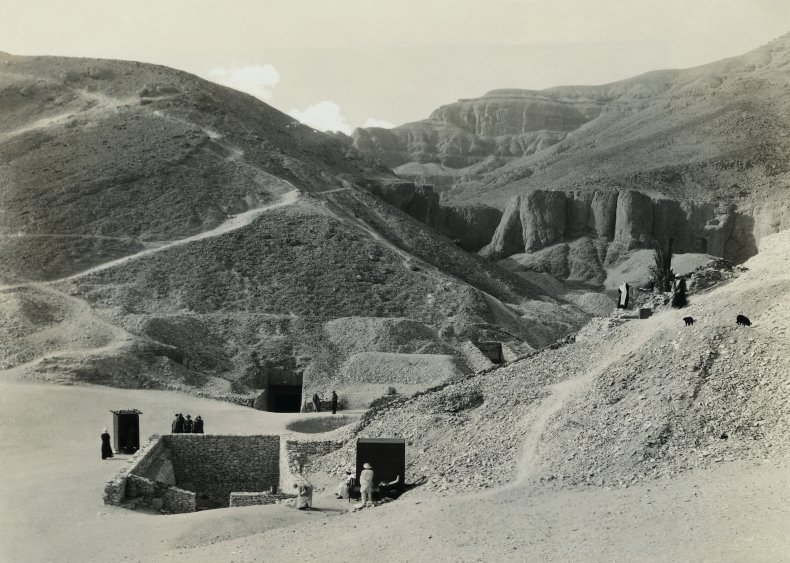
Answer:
(319, 425)
(186, 472)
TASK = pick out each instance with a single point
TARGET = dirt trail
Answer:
(563, 391)
(100, 104)
(234, 223)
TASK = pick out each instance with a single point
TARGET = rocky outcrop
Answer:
(631, 219)
(502, 123)
(470, 226)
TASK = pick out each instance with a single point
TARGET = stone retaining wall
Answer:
(300, 453)
(170, 472)
(213, 466)
(148, 481)
(253, 499)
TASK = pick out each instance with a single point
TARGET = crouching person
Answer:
(344, 489)
(304, 498)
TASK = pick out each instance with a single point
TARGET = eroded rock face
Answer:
(502, 123)
(543, 218)
(629, 219)
(471, 226)
(634, 218)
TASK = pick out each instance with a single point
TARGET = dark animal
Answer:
(743, 320)
(688, 320)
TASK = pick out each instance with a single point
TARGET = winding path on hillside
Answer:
(563, 392)
(113, 338)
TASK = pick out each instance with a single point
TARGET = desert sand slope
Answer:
(209, 237)
(639, 399)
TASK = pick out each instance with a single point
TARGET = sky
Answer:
(341, 64)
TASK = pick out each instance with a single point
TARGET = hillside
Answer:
(698, 154)
(626, 401)
(162, 231)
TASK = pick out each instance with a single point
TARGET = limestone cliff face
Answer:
(631, 219)
(471, 226)
(502, 123)
(513, 112)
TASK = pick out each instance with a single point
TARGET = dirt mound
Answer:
(627, 400)
(319, 425)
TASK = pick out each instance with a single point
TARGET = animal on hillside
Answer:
(688, 320)
(743, 320)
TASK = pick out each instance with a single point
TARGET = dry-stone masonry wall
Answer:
(214, 466)
(170, 472)
(148, 480)
(253, 499)
(299, 453)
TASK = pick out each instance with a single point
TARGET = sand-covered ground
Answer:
(51, 503)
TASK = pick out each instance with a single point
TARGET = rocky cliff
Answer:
(503, 123)
(699, 154)
(471, 226)
(539, 219)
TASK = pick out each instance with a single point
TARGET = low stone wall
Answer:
(300, 453)
(213, 466)
(170, 472)
(254, 499)
(148, 481)
(115, 488)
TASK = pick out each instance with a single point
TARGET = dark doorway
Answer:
(387, 456)
(285, 398)
(492, 350)
(126, 426)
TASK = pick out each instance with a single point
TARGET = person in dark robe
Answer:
(106, 449)
(334, 402)
(188, 424)
(174, 425)
(197, 427)
(316, 403)
(180, 424)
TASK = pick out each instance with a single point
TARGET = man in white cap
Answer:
(366, 484)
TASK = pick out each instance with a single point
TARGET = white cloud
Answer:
(374, 122)
(324, 116)
(258, 80)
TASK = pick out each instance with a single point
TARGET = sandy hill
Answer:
(159, 230)
(627, 401)
(582, 174)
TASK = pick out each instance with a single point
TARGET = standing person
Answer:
(106, 449)
(180, 424)
(366, 484)
(188, 423)
(316, 402)
(197, 428)
(334, 402)
(174, 425)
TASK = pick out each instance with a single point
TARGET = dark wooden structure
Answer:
(126, 430)
(387, 456)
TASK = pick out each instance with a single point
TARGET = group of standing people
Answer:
(186, 425)
(317, 402)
